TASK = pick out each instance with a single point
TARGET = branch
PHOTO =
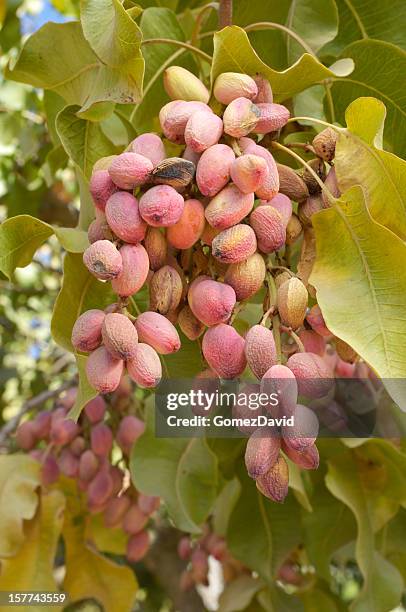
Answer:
(34, 402)
(225, 13)
(270, 25)
(171, 41)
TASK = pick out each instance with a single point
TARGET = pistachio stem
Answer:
(178, 43)
(270, 25)
(273, 293)
(134, 303)
(236, 311)
(235, 147)
(306, 146)
(319, 121)
(328, 193)
(295, 337)
(267, 314)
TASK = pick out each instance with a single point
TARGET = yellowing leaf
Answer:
(360, 278)
(106, 540)
(19, 479)
(88, 573)
(233, 53)
(32, 568)
(359, 160)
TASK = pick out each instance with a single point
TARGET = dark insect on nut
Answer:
(176, 172)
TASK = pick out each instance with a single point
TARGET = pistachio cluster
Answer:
(83, 452)
(204, 230)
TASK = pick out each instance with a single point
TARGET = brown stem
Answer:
(34, 402)
(294, 337)
(225, 13)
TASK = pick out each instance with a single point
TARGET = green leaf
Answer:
(158, 23)
(180, 470)
(383, 585)
(32, 569)
(85, 391)
(326, 529)
(187, 362)
(391, 541)
(72, 239)
(224, 505)
(84, 141)
(270, 44)
(260, 532)
(233, 52)
(239, 593)
(379, 68)
(274, 599)
(369, 19)
(90, 575)
(80, 291)
(315, 21)
(21, 236)
(19, 479)
(359, 160)
(58, 57)
(53, 104)
(112, 34)
(319, 598)
(296, 483)
(360, 278)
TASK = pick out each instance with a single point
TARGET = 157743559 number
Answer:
(33, 598)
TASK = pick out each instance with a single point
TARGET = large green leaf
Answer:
(391, 540)
(270, 44)
(326, 529)
(316, 22)
(19, 479)
(113, 34)
(360, 277)
(233, 52)
(182, 471)
(379, 70)
(158, 23)
(362, 19)
(260, 532)
(239, 593)
(58, 57)
(187, 362)
(383, 585)
(360, 160)
(83, 140)
(21, 236)
(32, 569)
(80, 291)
